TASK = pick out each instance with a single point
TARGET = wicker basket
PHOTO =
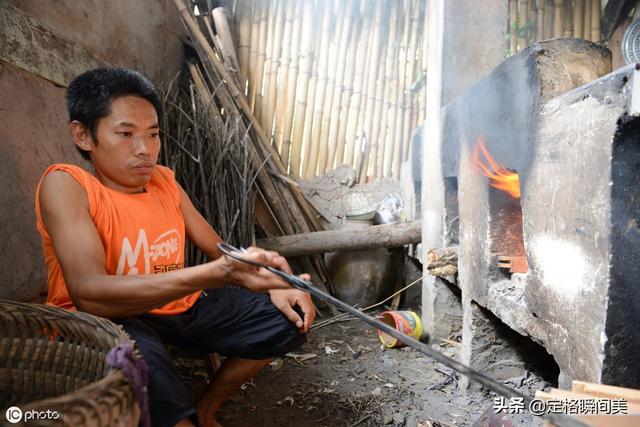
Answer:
(54, 359)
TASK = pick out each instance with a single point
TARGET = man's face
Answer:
(128, 144)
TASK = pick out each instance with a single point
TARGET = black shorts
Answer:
(229, 321)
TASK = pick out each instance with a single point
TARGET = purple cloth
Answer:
(135, 369)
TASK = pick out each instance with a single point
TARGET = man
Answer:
(114, 240)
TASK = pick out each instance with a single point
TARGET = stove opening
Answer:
(507, 244)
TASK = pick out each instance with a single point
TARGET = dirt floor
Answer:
(325, 384)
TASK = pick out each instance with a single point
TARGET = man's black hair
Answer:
(89, 95)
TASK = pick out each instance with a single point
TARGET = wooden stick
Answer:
(389, 235)
(303, 87)
(595, 21)
(223, 31)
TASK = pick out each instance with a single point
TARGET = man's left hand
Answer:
(286, 299)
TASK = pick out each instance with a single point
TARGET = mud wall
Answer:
(41, 49)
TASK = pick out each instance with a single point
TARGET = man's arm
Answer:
(205, 237)
(198, 230)
(65, 213)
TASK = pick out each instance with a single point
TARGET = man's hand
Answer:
(286, 299)
(254, 278)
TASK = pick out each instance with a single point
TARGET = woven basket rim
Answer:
(92, 398)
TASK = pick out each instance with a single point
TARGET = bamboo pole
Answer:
(425, 52)
(548, 20)
(271, 76)
(513, 26)
(558, 11)
(391, 90)
(596, 12)
(282, 94)
(305, 64)
(261, 59)
(523, 18)
(376, 152)
(349, 74)
(333, 123)
(540, 19)
(253, 52)
(223, 31)
(578, 19)
(311, 104)
(586, 25)
(359, 82)
(292, 80)
(336, 60)
(244, 39)
(568, 19)
(371, 88)
(399, 125)
(323, 64)
(410, 76)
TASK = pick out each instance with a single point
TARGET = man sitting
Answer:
(113, 243)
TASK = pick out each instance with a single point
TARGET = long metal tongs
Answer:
(560, 420)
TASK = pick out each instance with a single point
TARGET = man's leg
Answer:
(233, 372)
(248, 329)
(170, 402)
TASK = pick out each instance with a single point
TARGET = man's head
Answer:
(89, 95)
(114, 123)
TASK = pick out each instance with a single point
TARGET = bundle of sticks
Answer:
(280, 208)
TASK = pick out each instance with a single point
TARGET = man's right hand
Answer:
(256, 279)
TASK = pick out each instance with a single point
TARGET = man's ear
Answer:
(81, 135)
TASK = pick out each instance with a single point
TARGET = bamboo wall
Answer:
(335, 81)
(534, 20)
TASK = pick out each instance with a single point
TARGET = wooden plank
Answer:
(603, 390)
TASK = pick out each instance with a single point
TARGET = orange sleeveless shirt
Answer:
(141, 233)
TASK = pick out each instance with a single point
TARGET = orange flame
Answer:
(499, 177)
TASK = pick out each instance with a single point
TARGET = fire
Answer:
(499, 177)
